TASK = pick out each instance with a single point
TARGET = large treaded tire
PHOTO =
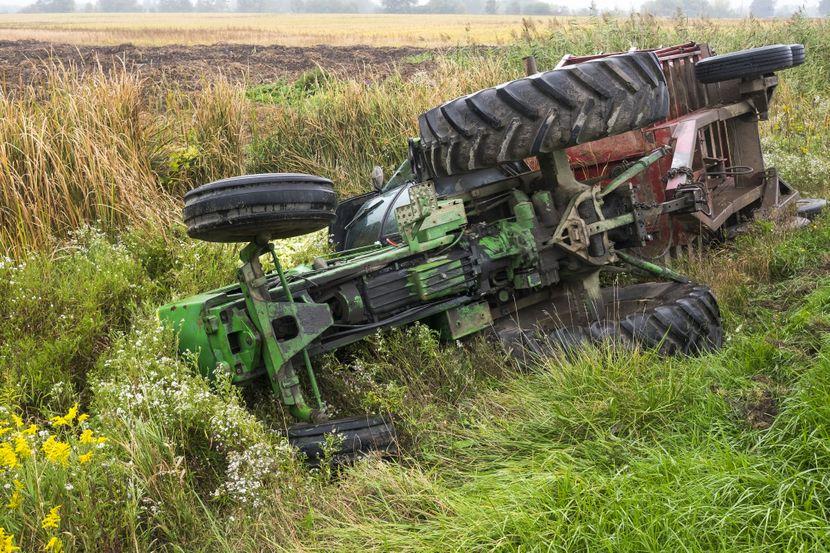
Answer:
(745, 63)
(357, 435)
(545, 112)
(270, 205)
(672, 318)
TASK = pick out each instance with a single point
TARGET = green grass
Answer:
(622, 452)
(606, 450)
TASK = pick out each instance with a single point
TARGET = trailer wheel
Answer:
(353, 436)
(545, 112)
(672, 317)
(273, 205)
(746, 63)
(810, 208)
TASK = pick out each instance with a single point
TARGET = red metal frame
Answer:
(710, 128)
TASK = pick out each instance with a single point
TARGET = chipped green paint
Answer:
(464, 320)
(450, 272)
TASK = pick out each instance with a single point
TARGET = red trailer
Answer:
(712, 129)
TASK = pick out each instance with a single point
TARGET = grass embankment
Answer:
(608, 450)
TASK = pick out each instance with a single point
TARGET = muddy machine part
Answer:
(466, 255)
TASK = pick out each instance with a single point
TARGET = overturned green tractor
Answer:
(467, 237)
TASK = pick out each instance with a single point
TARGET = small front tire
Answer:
(351, 437)
(250, 207)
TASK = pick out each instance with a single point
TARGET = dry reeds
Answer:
(102, 149)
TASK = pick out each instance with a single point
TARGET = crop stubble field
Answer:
(606, 450)
(267, 29)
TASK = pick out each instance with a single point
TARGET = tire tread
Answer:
(544, 112)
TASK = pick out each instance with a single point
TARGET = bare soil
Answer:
(24, 62)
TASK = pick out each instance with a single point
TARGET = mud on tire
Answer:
(673, 318)
(545, 112)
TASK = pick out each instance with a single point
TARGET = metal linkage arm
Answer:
(304, 324)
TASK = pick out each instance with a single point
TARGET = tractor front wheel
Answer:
(269, 206)
(749, 63)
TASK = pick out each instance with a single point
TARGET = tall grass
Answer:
(343, 128)
(103, 150)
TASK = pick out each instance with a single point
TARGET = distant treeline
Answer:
(669, 8)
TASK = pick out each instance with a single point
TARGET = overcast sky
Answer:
(624, 5)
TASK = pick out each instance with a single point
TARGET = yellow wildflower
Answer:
(55, 545)
(7, 542)
(82, 418)
(18, 422)
(5, 430)
(21, 446)
(65, 420)
(16, 499)
(30, 431)
(56, 451)
(86, 437)
(53, 519)
(7, 457)
(85, 457)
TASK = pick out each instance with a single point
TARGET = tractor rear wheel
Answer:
(270, 206)
(350, 437)
(747, 63)
(671, 317)
(541, 113)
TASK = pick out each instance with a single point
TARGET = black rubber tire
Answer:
(359, 435)
(673, 318)
(810, 208)
(799, 55)
(545, 112)
(744, 63)
(271, 205)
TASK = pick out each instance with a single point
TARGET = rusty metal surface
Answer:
(710, 128)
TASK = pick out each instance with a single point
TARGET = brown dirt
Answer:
(760, 406)
(23, 62)
(761, 411)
